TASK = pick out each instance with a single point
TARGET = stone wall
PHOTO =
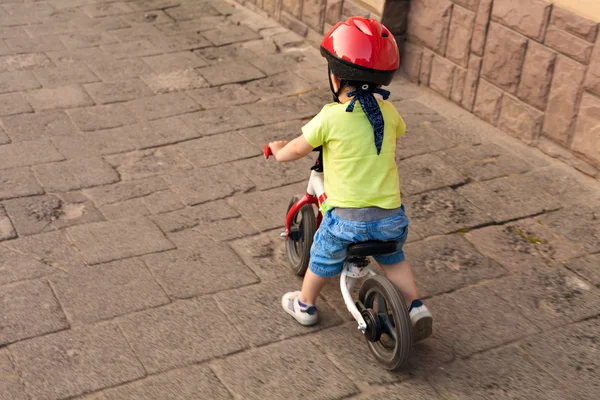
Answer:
(525, 66)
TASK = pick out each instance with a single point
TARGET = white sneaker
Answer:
(305, 314)
(422, 321)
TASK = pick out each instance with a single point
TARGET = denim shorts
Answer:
(330, 246)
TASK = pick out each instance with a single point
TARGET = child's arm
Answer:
(290, 151)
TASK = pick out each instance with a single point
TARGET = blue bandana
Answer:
(369, 104)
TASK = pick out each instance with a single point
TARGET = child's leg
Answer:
(311, 287)
(401, 275)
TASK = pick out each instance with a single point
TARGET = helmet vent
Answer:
(384, 34)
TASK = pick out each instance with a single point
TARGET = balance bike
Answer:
(380, 311)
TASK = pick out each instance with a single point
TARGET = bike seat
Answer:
(371, 248)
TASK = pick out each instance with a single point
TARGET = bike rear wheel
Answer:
(300, 238)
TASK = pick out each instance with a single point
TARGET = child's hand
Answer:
(277, 145)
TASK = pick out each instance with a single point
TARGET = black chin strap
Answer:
(336, 95)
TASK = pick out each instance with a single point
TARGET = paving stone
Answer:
(283, 110)
(112, 240)
(18, 182)
(222, 96)
(4, 139)
(17, 81)
(471, 325)
(208, 184)
(506, 199)
(262, 135)
(571, 354)
(209, 267)
(29, 309)
(486, 161)
(87, 39)
(587, 267)
(217, 149)
(38, 45)
(99, 356)
(17, 267)
(230, 73)
(504, 373)
(266, 373)
(420, 139)
(51, 29)
(7, 231)
(209, 122)
(186, 11)
(106, 291)
(281, 85)
(103, 10)
(21, 62)
(86, 23)
(64, 76)
(226, 54)
(102, 117)
(181, 384)
(580, 225)
(63, 97)
(264, 254)
(37, 214)
(185, 41)
(13, 103)
(284, 62)
(75, 174)
(559, 184)
(224, 230)
(230, 33)
(28, 153)
(440, 212)
(125, 209)
(74, 57)
(135, 48)
(195, 216)
(152, 14)
(31, 126)
(147, 163)
(182, 333)
(183, 79)
(448, 263)
(11, 387)
(108, 141)
(414, 389)
(136, 32)
(51, 249)
(266, 210)
(522, 245)
(427, 172)
(549, 297)
(156, 133)
(166, 63)
(125, 190)
(163, 105)
(163, 202)
(116, 70)
(117, 91)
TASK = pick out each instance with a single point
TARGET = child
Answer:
(358, 135)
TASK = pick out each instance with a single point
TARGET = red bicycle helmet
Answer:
(361, 49)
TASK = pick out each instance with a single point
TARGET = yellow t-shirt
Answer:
(355, 176)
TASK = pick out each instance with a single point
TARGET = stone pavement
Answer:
(139, 249)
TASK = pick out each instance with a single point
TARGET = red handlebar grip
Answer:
(267, 151)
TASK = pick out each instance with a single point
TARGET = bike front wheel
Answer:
(300, 238)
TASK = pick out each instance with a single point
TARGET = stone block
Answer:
(103, 10)
(459, 35)
(563, 99)
(125, 190)
(506, 372)
(470, 84)
(574, 24)
(504, 57)
(207, 267)
(487, 102)
(106, 291)
(442, 72)
(592, 81)
(280, 85)
(428, 23)
(188, 11)
(269, 175)
(529, 17)
(191, 217)
(222, 96)
(480, 26)
(31, 126)
(313, 13)
(98, 355)
(427, 172)
(13, 103)
(411, 62)
(27, 153)
(283, 110)
(230, 73)
(107, 241)
(228, 33)
(536, 75)
(7, 231)
(18, 182)
(561, 153)
(180, 384)
(425, 71)
(132, 49)
(17, 81)
(163, 105)
(102, 117)
(98, 144)
(210, 122)
(271, 365)
(458, 84)
(569, 45)
(29, 309)
(571, 355)
(11, 386)
(21, 62)
(186, 41)
(182, 332)
(88, 39)
(166, 63)
(587, 267)
(116, 70)
(264, 254)
(440, 212)
(394, 16)
(117, 91)
(18, 267)
(64, 76)
(125, 209)
(75, 174)
(217, 149)
(160, 132)
(586, 139)
(29, 45)
(519, 119)
(448, 263)
(580, 225)
(63, 97)
(413, 389)
(420, 139)
(183, 79)
(218, 231)
(147, 163)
